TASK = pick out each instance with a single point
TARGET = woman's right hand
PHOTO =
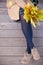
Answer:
(10, 4)
(30, 3)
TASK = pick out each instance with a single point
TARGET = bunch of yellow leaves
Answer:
(32, 14)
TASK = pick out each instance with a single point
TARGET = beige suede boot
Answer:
(26, 59)
(35, 54)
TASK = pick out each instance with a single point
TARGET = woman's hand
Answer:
(30, 3)
(10, 3)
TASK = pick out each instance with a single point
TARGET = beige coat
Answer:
(13, 12)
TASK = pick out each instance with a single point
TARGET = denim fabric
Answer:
(27, 31)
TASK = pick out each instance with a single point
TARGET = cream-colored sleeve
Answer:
(20, 3)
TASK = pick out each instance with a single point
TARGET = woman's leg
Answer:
(27, 31)
(27, 56)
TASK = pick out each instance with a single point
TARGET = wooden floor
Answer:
(12, 41)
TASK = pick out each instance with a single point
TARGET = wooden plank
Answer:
(12, 51)
(38, 33)
(16, 25)
(38, 41)
(4, 18)
(17, 61)
(3, 0)
(40, 49)
(41, 1)
(9, 24)
(11, 33)
(18, 33)
(2, 5)
(3, 11)
(13, 42)
(40, 4)
(16, 51)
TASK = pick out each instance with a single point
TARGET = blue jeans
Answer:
(27, 31)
